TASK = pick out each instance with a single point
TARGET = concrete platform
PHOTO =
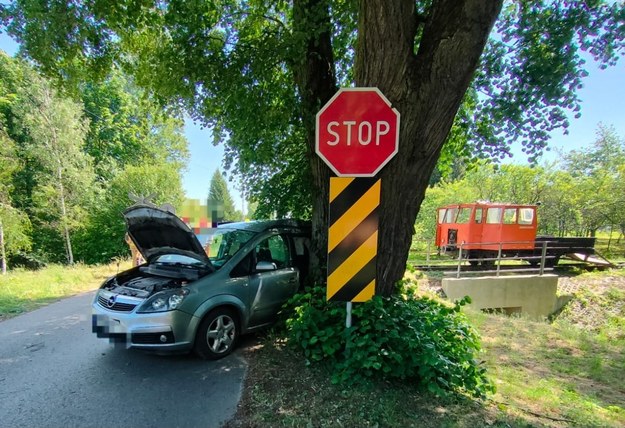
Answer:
(532, 295)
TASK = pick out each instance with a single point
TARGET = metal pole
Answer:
(427, 256)
(499, 259)
(459, 261)
(542, 258)
(348, 318)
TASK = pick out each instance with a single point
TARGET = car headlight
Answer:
(164, 301)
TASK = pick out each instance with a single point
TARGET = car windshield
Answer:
(178, 259)
(222, 244)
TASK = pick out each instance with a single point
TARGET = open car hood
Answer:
(156, 232)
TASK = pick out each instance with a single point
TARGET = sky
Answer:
(602, 101)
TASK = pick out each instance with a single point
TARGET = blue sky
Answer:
(603, 101)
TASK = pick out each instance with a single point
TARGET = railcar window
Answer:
(463, 215)
(493, 215)
(450, 215)
(526, 215)
(509, 216)
(441, 215)
(478, 215)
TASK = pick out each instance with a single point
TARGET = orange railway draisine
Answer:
(482, 230)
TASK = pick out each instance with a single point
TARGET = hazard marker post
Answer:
(357, 134)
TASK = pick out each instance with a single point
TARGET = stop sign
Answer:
(357, 132)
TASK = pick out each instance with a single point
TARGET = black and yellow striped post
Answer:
(352, 238)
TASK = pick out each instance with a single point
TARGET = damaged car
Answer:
(187, 296)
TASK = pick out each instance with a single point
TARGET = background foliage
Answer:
(232, 66)
(579, 195)
(70, 159)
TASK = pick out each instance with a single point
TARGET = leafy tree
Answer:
(218, 194)
(14, 224)
(64, 178)
(559, 213)
(102, 237)
(518, 184)
(127, 128)
(617, 216)
(14, 233)
(259, 72)
(597, 171)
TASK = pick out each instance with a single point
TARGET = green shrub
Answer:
(402, 337)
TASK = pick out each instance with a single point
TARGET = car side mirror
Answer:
(264, 266)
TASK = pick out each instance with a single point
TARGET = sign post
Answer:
(357, 134)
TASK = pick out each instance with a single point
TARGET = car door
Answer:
(274, 280)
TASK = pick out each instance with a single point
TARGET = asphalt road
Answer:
(55, 373)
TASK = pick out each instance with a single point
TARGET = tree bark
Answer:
(3, 259)
(427, 89)
(68, 241)
(316, 82)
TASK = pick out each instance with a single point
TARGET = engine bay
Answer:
(142, 287)
(144, 281)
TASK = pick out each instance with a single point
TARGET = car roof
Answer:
(263, 225)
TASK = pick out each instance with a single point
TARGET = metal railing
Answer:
(540, 265)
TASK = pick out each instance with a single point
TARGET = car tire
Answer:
(217, 335)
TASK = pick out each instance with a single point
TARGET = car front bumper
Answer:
(169, 331)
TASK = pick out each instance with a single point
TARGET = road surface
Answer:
(55, 373)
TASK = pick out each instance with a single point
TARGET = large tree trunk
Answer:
(427, 89)
(316, 82)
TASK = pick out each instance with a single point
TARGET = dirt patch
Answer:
(281, 390)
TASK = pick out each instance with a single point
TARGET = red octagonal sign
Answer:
(357, 132)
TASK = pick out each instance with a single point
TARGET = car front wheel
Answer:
(217, 335)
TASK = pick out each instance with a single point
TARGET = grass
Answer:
(22, 290)
(558, 371)
(563, 373)
(611, 247)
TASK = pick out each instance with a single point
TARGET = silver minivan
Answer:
(202, 298)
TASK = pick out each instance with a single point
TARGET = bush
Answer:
(402, 337)
(29, 261)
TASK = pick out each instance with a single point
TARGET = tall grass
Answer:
(22, 290)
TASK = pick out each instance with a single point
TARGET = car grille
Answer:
(117, 306)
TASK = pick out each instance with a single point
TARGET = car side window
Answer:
(243, 268)
(274, 250)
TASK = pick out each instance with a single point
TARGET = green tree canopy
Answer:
(122, 137)
(597, 170)
(102, 236)
(128, 128)
(258, 72)
(14, 224)
(55, 130)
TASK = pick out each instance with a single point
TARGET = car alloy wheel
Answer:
(217, 334)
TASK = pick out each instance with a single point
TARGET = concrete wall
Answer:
(533, 295)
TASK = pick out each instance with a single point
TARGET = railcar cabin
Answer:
(482, 232)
